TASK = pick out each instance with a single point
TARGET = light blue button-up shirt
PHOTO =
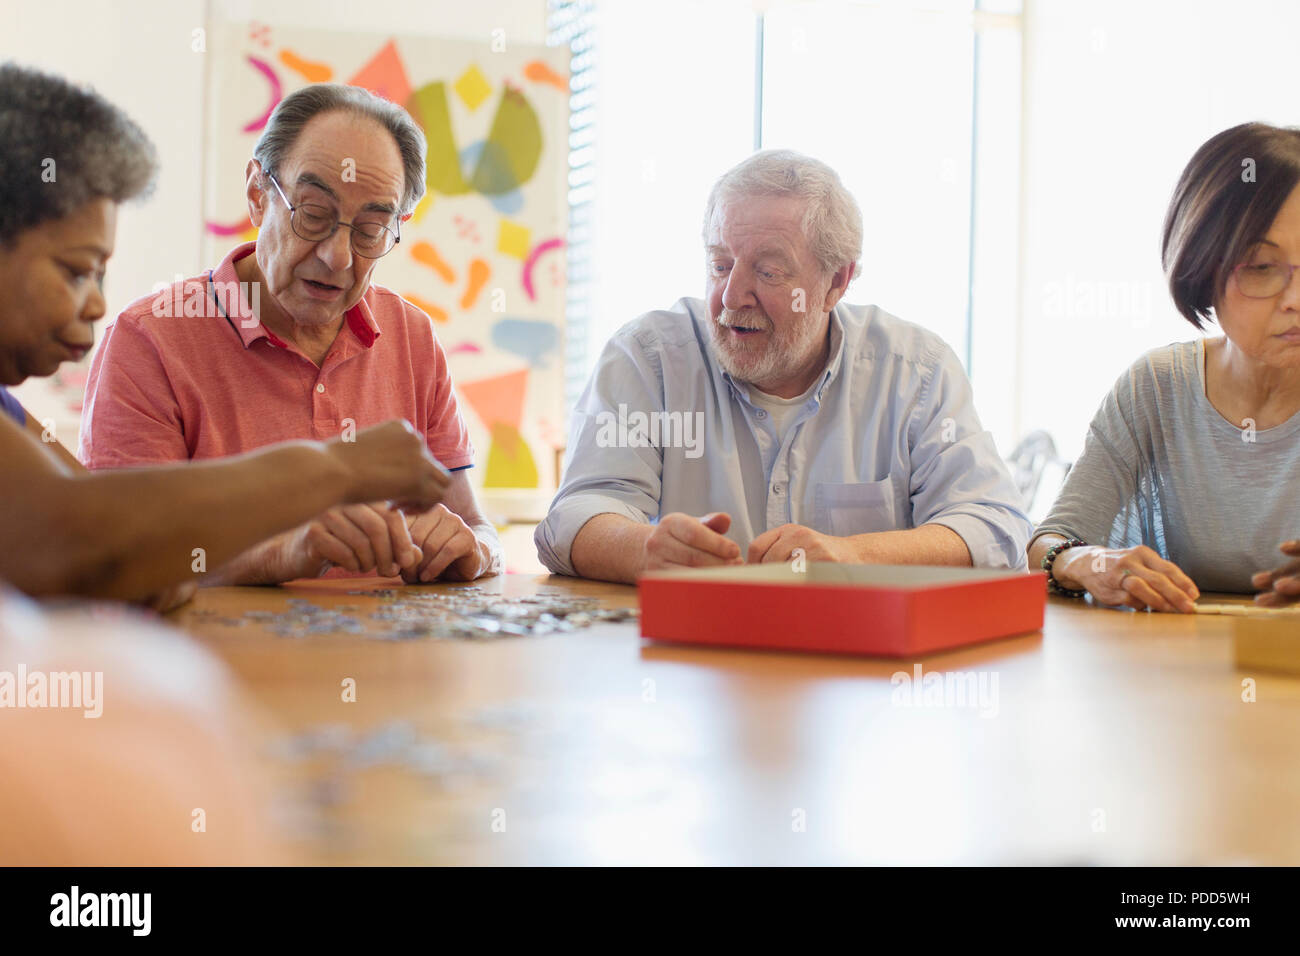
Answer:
(887, 440)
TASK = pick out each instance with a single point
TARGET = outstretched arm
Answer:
(130, 533)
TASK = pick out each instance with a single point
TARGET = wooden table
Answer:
(1114, 738)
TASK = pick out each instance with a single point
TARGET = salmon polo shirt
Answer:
(188, 373)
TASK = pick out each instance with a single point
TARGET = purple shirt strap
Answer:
(11, 407)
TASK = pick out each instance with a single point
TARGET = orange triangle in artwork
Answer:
(385, 75)
(498, 400)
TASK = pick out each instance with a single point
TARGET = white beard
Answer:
(772, 359)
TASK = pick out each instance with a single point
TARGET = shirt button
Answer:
(320, 388)
(760, 414)
(778, 489)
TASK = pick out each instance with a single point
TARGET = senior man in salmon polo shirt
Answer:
(289, 339)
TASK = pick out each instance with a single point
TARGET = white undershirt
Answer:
(782, 410)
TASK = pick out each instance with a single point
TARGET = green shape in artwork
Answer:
(513, 148)
(428, 105)
(510, 463)
(509, 155)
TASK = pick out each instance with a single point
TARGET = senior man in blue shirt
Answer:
(773, 422)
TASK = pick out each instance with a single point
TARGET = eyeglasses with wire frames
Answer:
(315, 223)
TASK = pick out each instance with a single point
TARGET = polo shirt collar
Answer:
(360, 319)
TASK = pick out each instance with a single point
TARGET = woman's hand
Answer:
(391, 462)
(173, 597)
(1280, 586)
(1128, 577)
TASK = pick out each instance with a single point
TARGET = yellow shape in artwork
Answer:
(513, 239)
(510, 463)
(422, 207)
(473, 87)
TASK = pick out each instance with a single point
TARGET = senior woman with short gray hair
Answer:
(1187, 480)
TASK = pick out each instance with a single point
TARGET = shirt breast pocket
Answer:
(855, 508)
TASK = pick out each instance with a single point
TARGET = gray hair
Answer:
(832, 221)
(297, 109)
(62, 146)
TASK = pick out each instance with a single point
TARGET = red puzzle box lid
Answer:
(878, 610)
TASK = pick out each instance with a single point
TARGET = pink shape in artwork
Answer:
(538, 251)
(253, 125)
(229, 229)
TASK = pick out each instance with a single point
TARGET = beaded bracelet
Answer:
(1053, 586)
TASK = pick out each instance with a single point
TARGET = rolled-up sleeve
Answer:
(958, 478)
(605, 472)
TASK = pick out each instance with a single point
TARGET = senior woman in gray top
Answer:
(1189, 474)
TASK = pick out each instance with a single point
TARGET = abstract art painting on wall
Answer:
(484, 253)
